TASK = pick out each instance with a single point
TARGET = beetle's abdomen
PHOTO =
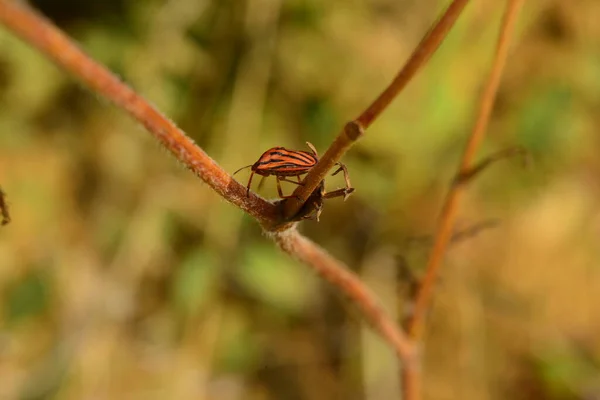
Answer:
(282, 162)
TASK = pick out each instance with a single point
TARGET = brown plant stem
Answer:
(411, 379)
(339, 276)
(448, 215)
(355, 129)
(40, 33)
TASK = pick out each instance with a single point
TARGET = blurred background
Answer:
(122, 276)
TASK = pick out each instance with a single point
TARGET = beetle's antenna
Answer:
(242, 168)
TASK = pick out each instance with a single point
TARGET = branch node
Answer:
(354, 130)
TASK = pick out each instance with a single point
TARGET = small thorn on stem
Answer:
(468, 175)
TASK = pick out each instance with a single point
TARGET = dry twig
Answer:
(443, 235)
(355, 129)
(339, 276)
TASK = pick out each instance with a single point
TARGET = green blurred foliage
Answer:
(27, 298)
(124, 277)
(194, 282)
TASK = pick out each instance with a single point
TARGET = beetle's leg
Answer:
(260, 183)
(338, 193)
(318, 209)
(346, 175)
(282, 179)
(299, 179)
(249, 183)
(349, 189)
(280, 192)
(317, 212)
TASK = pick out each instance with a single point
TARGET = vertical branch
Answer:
(425, 49)
(447, 218)
(355, 129)
(448, 215)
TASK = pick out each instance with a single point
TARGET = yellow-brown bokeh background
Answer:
(122, 276)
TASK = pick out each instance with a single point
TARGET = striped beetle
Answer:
(281, 163)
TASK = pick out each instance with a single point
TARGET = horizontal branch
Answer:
(450, 208)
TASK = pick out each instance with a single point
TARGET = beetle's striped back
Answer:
(283, 162)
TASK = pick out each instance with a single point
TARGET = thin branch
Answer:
(482, 165)
(428, 45)
(39, 32)
(457, 236)
(340, 276)
(355, 129)
(411, 377)
(450, 208)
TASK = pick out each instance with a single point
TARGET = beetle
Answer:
(282, 163)
(313, 206)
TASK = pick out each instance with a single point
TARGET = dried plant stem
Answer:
(425, 49)
(447, 218)
(355, 129)
(39, 32)
(339, 276)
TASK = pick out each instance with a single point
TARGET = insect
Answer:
(313, 206)
(4, 209)
(282, 163)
